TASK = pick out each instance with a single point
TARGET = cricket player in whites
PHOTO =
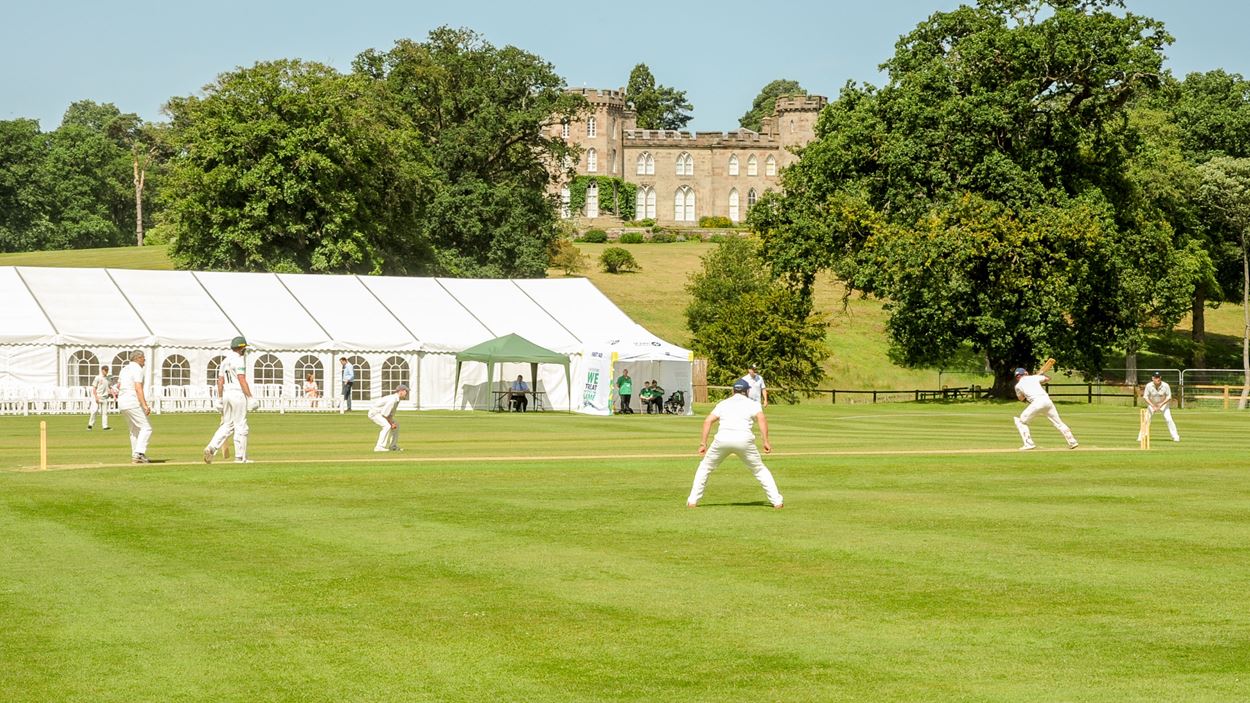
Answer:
(734, 436)
(1158, 397)
(1029, 390)
(383, 415)
(101, 390)
(234, 395)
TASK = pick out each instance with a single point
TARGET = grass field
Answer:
(549, 557)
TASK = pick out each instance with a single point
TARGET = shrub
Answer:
(719, 238)
(630, 238)
(565, 256)
(618, 260)
(663, 238)
(594, 236)
(715, 221)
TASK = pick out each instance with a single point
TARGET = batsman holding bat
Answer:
(1158, 397)
(1029, 390)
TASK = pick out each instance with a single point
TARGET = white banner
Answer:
(592, 385)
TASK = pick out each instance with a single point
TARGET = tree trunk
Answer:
(140, 175)
(1198, 331)
(1245, 335)
(1004, 381)
(1130, 366)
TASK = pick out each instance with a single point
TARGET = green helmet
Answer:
(238, 342)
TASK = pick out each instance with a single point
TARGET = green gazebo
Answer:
(511, 348)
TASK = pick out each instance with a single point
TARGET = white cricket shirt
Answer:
(232, 367)
(737, 416)
(1157, 395)
(757, 386)
(127, 398)
(385, 406)
(1031, 387)
(101, 386)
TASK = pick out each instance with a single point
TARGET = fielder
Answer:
(1029, 390)
(101, 388)
(759, 389)
(234, 398)
(734, 436)
(1158, 397)
(133, 404)
(383, 415)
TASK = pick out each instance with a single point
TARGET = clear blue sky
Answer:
(138, 53)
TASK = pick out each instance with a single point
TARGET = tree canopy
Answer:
(657, 106)
(1021, 105)
(766, 102)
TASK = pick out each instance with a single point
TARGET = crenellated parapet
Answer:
(801, 103)
(661, 138)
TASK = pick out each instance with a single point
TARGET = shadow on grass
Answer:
(752, 504)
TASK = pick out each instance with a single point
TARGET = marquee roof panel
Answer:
(264, 311)
(175, 307)
(21, 320)
(503, 309)
(85, 306)
(350, 313)
(426, 308)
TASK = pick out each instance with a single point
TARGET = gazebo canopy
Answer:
(510, 348)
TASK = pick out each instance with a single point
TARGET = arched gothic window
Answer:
(646, 164)
(592, 127)
(753, 166)
(733, 164)
(592, 199)
(644, 203)
(770, 166)
(592, 161)
(685, 164)
(683, 204)
(733, 205)
(750, 198)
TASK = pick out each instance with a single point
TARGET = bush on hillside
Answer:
(630, 238)
(715, 221)
(618, 260)
(594, 236)
(663, 238)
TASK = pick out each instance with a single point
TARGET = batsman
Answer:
(1158, 397)
(1029, 390)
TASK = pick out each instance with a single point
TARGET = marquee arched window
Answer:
(364, 377)
(646, 164)
(214, 365)
(770, 166)
(683, 204)
(267, 370)
(644, 203)
(82, 369)
(309, 364)
(120, 361)
(175, 371)
(733, 164)
(685, 164)
(592, 161)
(394, 372)
(733, 205)
(753, 166)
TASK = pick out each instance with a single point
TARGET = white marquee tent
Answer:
(59, 325)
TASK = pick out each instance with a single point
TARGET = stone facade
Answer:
(683, 176)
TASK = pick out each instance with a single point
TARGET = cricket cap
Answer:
(1156, 374)
(741, 386)
(1022, 372)
(238, 342)
(401, 387)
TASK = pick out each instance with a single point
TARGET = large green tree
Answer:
(1225, 201)
(766, 102)
(739, 316)
(657, 106)
(23, 205)
(1019, 103)
(481, 116)
(291, 166)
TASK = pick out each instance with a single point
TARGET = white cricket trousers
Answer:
(1038, 406)
(1167, 415)
(744, 448)
(387, 438)
(233, 420)
(101, 407)
(140, 430)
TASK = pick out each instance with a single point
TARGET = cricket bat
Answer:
(1048, 365)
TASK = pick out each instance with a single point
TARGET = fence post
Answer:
(1226, 397)
(1089, 393)
(874, 400)
(834, 395)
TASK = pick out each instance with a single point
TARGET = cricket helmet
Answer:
(238, 342)
(741, 386)
(1022, 372)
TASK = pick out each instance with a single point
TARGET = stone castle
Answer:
(683, 176)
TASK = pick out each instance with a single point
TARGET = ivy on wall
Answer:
(615, 195)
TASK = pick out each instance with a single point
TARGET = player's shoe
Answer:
(243, 460)
(380, 449)
(692, 505)
(140, 459)
(105, 429)
(209, 452)
(1074, 445)
(779, 506)
(396, 449)
(89, 427)
(1028, 447)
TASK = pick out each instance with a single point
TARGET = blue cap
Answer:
(741, 386)
(1022, 372)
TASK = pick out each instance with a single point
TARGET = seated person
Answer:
(657, 397)
(517, 394)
